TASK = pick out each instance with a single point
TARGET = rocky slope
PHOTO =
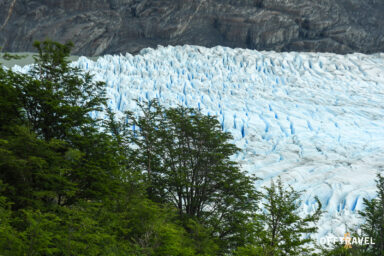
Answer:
(113, 26)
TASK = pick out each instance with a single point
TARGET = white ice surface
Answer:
(315, 119)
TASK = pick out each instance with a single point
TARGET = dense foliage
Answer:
(186, 158)
(279, 229)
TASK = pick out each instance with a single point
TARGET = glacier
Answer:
(314, 119)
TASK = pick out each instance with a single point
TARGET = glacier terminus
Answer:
(315, 119)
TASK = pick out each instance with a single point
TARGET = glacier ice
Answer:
(315, 119)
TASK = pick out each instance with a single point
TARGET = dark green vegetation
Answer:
(280, 227)
(157, 183)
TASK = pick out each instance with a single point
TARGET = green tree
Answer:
(373, 216)
(58, 98)
(10, 242)
(10, 106)
(187, 158)
(57, 152)
(279, 229)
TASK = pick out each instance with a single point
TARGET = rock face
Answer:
(117, 26)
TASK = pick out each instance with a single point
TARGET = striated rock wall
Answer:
(114, 26)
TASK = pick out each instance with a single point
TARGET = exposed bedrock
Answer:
(117, 26)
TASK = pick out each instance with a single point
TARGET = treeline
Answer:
(159, 182)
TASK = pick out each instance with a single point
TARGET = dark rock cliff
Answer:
(114, 26)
